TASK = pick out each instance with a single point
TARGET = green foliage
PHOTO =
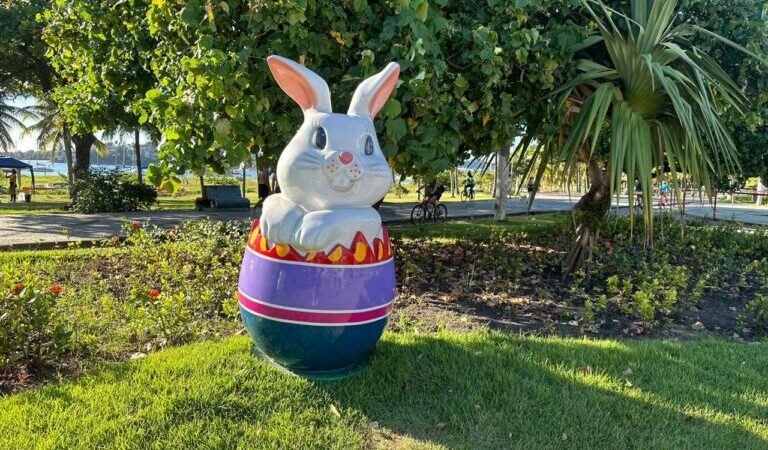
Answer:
(398, 190)
(755, 315)
(32, 333)
(744, 22)
(23, 66)
(96, 48)
(110, 190)
(465, 83)
(662, 95)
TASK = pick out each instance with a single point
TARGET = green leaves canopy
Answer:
(470, 73)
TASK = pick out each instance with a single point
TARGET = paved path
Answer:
(31, 229)
(25, 230)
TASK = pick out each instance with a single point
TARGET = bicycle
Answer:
(467, 194)
(426, 210)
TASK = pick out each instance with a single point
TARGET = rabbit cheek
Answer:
(332, 168)
(354, 171)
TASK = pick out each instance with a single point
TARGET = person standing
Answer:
(264, 189)
(761, 189)
(12, 180)
(664, 191)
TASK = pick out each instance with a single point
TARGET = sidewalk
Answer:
(27, 230)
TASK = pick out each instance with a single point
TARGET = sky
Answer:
(28, 143)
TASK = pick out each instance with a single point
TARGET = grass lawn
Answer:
(441, 390)
(479, 229)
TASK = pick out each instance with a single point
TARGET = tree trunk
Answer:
(68, 155)
(83, 143)
(502, 183)
(590, 212)
(453, 184)
(137, 152)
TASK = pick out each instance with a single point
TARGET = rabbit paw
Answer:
(279, 219)
(316, 232)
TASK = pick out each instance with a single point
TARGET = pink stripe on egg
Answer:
(324, 318)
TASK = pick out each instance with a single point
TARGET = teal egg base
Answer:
(321, 376)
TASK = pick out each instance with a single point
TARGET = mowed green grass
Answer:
(443, 390)
(480, 229)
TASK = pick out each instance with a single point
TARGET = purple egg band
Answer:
(317, 287)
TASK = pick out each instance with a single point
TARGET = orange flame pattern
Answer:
(360, 251)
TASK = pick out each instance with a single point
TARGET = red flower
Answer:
(135, 225)
(154, 293)
(174, 231)
(55, 289)
(608, 245)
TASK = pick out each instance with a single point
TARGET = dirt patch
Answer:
(547, 317)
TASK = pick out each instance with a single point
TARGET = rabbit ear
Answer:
(301, 84)
(373, 93)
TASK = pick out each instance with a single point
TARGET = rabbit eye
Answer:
(369, 146)
(320, 138)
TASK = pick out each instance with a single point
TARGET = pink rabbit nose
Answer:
(346, 157)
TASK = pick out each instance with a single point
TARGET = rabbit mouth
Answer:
(341, 183)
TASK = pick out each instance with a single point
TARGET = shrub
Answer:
(32, 335)
(755, 315)
(110, 190)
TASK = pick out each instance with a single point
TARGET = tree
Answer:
(24, 67)
(662, 97)
(98, 48)
(744, 22)
(53, 133)
(9, 119)
(508, 58)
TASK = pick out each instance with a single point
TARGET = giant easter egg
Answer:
(316, 313)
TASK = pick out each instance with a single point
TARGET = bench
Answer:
(224, 196)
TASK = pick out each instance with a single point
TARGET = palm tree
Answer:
(53, 133)
(9, 119)
(645, 86)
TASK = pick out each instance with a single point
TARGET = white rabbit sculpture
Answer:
(333, 169)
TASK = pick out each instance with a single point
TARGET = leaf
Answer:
(396, 129)
(223, 127)
(360, 5)
(422, 10)
(392, 109)
(334, 410)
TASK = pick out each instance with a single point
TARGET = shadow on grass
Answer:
(491, 391)
(478, 390)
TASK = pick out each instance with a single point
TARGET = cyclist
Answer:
(469, 185)
(436, 193)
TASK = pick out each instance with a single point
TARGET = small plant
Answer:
(32, 335)
(110, 190)
(755, 315)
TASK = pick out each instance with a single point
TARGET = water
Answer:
(59, 168)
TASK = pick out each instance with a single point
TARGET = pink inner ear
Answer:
(293, 83)
(382, 95)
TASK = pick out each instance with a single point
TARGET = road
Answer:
(30, 230)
